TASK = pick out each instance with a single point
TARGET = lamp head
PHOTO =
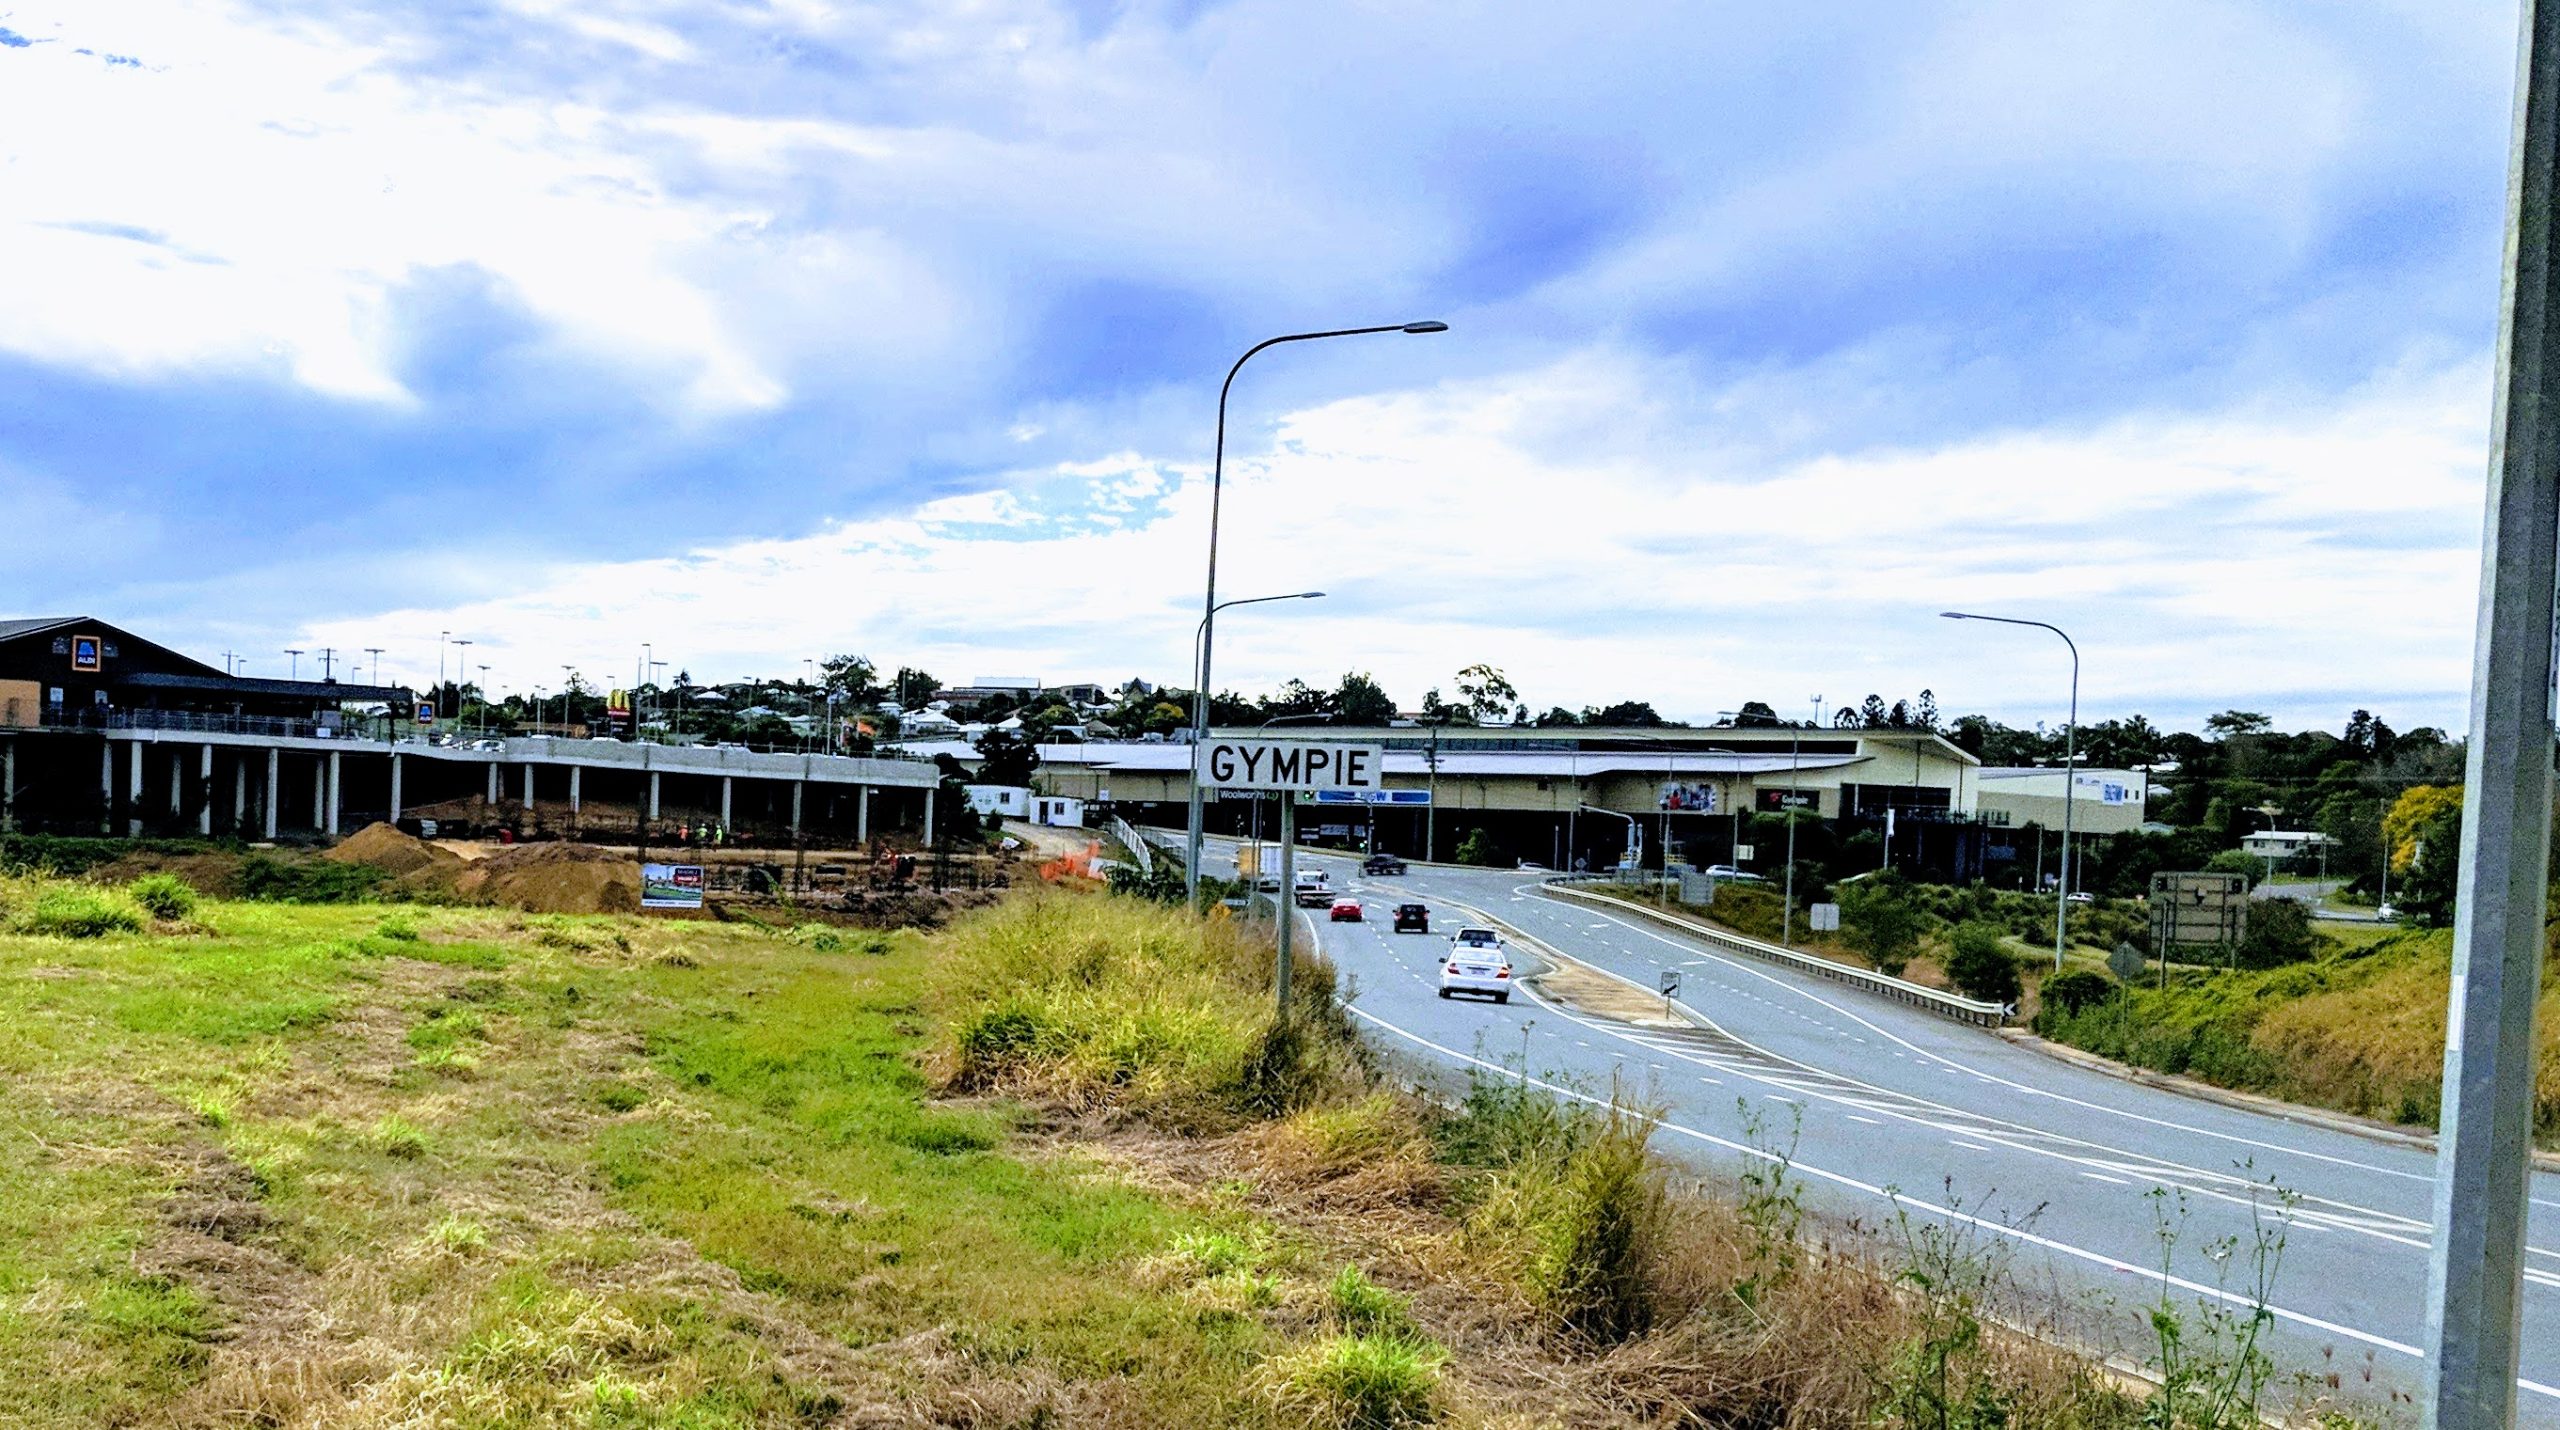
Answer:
(1426, 326)
(1955, 615)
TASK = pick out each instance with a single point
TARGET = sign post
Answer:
(1292, 768)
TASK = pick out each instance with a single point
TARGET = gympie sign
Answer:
(1288, 765)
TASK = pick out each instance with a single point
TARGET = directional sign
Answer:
(1671, 983)
(1288, 765)
(1366, 796)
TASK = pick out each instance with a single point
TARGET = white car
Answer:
(1727, 871)
(1477, 968)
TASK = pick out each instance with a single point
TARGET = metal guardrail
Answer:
(1944, 1004)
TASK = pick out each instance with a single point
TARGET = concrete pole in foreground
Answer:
(2475, 1268)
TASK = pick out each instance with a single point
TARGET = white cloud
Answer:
(2271, 555)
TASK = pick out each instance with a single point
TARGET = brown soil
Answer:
(385, 847)
(551, 879)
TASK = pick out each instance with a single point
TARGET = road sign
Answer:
(2197, 909)
(1670, 983)
(1288, 765)
(1399, 797)
(1744, 852)
(1826, 918)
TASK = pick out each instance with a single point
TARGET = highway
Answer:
(2071, 1170)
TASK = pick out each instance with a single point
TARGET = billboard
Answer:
(1689, 799)
(671, 886)
(2105, 790)
(1772, 801)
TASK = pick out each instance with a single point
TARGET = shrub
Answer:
(1479, 848)
(1359, 1383)
(163, 896)
(1362, 1307)
(2068, 993)
(397, 1136)
(1881, 921)
(1575, 1204)
(1979, 967)
(2279, 933)
(309, 881)
(64, 911)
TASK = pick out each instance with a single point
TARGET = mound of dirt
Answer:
(551, 879)
(385, 847)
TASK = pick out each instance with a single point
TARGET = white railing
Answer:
(1136, 843)
(1900, 990)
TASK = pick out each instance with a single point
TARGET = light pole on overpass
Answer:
(1209, 601)
(1795, 763)
(2070, 767)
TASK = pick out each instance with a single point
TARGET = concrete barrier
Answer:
(1944, 1004)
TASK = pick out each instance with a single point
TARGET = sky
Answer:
(764, 330)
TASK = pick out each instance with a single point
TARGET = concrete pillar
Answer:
(395, 789)
(177, 782)
(796, 787)
(528, 786)
(337, 797)
(9, 787)
(727, 787)
(275, 791)
(204, 816)
(239, 793)
(320, 793)
(653, 794)
(493, 782)
(133, 798)
(928, 817)
(574, 772)
(862, 817)
(106, 788)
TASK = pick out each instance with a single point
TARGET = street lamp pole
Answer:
(1209, 600)
(2070, 768)
(459, 670)
(1795, 763)
(294, 671)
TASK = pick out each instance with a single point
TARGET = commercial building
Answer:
(105, 732)
(2102, 801)
(1557, 795)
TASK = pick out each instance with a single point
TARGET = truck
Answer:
(1259, 865)
(1315, 889)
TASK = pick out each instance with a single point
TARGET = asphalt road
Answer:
(2069, 1173)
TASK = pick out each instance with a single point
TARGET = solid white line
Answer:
(2103, 1177)
(2020, 1234)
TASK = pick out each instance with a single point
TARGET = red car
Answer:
(1346, 911)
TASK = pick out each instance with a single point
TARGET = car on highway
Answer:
(1481, 969)
(1413, 918)
(1382, 864)
(1346, 911)
(2082, 896)
(1727, 871)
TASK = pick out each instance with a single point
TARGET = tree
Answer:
(1488, 693)
(1755, 715)
(1871, 712)
(1879, 919)
(2279, 933)
(1631, 714)
(911, 687)
(1360, 700)
(1979, 966)
(2424, 832)
(1558, 717)
(2238, 722)
(1479, 848)
(1924, 712)
(1005, 758)
(852, 674)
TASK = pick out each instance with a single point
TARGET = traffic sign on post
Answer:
(1288, 765)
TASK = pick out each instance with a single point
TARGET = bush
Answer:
(1979, 967)
(2068, 993)
(63, 911)
(163, 896)
(2279, 932)
(1573, 1202)
(2238, 861)
(309, 881)
(1881, 921)
(1362, 1307)
(1479, 848)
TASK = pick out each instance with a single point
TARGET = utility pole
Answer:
(484, 700)
(1431, 807)
(294, 671)
(2475, 1266)
(328, 662)
(376, 652)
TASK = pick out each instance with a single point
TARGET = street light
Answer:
(296, 668)
(483, 726)
(1795, 766)
(2070, 766)
(461, 667)
(1209, 600)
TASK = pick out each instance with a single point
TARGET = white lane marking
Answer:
(2019, 1234)
(1871, 1122)
(1901, 1106)
(2103, 1177)
(2027, 1088)
(1968, 1146)
(1779, 1097)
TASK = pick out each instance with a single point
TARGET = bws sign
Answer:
(1288, 765)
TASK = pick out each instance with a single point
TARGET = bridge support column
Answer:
(528, 787)
(862, 816)
(574, 772)
(928, 818)
(133, 797)
(728, 786)
(275, 793)
(239, 793)
(653, 794)
(9, 787)
(493, 784)
(177, 783)
(204, 816)
(796, 787)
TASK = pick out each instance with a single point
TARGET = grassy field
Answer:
(2360, 1029)
(361, 1165)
